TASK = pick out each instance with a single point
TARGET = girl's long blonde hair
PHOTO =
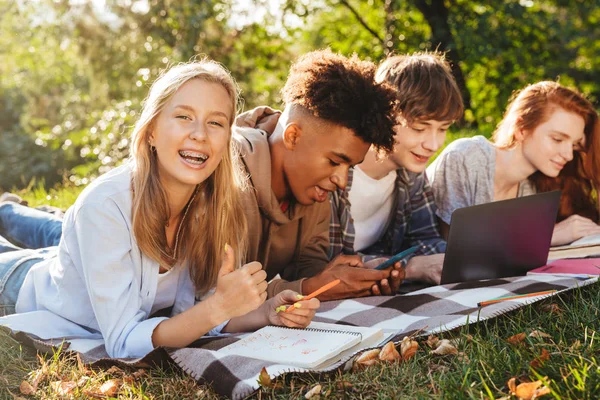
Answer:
(215, 217)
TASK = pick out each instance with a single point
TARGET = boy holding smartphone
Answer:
(387, 205)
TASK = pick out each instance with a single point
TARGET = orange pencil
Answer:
(316, 293)
(516, 297)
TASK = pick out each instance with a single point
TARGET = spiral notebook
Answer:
(306, 348)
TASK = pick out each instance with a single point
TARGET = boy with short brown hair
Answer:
(387, 205)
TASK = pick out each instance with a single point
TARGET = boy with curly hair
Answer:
(334, 112)
(387, 205)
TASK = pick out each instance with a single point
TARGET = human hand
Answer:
(425, 268)
(263, 117)
(355, 280)
(388, 286)
(239, 291)
(573, 228)
(299, 317)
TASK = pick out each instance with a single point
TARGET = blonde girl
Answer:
(163, 231)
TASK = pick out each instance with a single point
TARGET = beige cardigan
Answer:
(292, 244)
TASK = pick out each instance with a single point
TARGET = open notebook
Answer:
(315, 347)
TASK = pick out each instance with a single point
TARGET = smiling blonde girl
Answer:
(163, 231)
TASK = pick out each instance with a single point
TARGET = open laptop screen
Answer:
(500, 239)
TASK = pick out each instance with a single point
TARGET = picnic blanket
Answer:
(431, 310)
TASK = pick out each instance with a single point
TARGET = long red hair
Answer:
(580, 178)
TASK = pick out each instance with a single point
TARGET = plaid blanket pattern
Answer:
(413, 221)
(434, 309)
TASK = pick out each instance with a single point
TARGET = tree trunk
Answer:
(436, 14)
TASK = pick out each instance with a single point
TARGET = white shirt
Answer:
(371, 202)
(99, 288)
(166, 291)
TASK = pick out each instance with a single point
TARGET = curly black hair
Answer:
(343, 91)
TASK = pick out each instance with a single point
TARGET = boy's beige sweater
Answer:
(292, 244)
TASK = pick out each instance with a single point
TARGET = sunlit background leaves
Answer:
(73, 73)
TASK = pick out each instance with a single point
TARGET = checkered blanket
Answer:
(430, 310)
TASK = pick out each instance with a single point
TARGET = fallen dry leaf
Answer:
(541, 359)
(389, 353)
(432, 341)
(80, 364)
(517, 339)
(344, 385)
(366, 359)
(111, 387)
(408, 348)
(462, 357)
(27, 388)
(444, 347)
(38, 377)
(527, 390)
(114, 370)
(139, 373)
(95, 395)
(541, 392)
(43, 364)
(538, 334)
(315, 391)
(531, 390)
(264, 379)
(576, 345)
(552, 308)
(512, 385)
(63, 388)
(130, 379)
(82, 381)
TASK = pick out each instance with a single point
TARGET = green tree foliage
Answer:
(73, 74)
(497, 47)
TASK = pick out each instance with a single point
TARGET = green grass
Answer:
(572, 371)
(60, 196)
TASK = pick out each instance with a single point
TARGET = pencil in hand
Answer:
(317, 292)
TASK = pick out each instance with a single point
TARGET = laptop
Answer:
(500, 239)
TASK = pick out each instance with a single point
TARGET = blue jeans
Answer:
(27, 236)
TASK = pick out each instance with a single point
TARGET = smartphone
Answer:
(397, 258)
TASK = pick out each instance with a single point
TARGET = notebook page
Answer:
(301, 347)
(587, 241)
(371, 337)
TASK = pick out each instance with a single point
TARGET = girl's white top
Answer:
(98, 287)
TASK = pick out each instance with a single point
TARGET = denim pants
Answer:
(27, 236)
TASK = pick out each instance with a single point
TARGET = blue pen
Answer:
(397, 258)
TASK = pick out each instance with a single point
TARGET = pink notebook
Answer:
(583, 267)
